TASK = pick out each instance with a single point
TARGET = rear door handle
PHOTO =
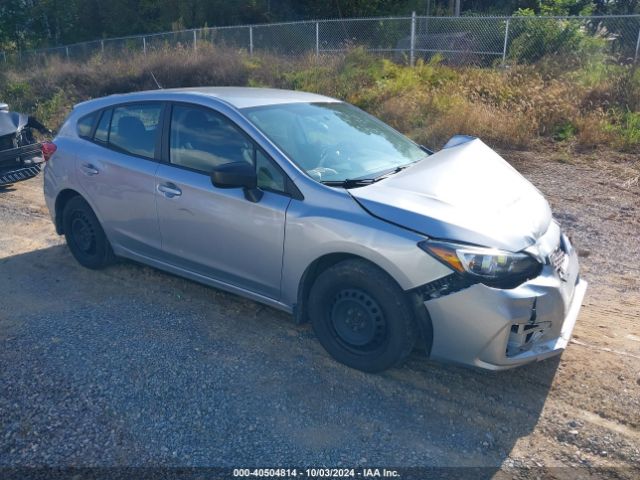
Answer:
(169, 190)
(89, 169)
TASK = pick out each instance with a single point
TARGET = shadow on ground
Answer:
(131, 366)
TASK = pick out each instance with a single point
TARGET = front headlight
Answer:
(487, 265)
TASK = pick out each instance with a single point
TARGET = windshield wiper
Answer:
(350, 182)
(361, 182)
(388, 173)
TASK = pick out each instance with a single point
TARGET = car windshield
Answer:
(335, 142)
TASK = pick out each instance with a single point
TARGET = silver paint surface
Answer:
(464, 193)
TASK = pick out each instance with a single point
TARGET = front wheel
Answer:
(85, 236)
(361, 316)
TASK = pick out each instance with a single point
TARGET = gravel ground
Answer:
(134, 367)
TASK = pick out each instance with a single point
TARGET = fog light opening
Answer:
(522, 336)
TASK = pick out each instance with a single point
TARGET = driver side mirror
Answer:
(238, 175)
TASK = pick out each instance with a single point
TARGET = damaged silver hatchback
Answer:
(312, 206)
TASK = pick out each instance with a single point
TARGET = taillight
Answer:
(48, 149)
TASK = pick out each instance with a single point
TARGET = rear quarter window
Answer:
(85, 125)
(102, 131)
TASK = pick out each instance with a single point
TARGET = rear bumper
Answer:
(498, 329)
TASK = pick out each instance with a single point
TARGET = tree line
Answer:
(26, 24)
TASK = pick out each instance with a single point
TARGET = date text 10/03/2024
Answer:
(316, 472)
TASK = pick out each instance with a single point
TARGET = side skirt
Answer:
(196, 277)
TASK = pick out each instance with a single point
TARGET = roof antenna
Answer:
(155, 80)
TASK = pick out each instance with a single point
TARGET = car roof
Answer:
(246, 97)
(239, 97)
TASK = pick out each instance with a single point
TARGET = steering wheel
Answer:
(318, 172)
(333, 153)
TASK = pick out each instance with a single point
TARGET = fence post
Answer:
(635, 58)
(317, 39)
(412, 52)
(195, 41)
(506, 38)
(102, 46)
(251, 41)
(4, 55)
(144, 45)
(66, 51)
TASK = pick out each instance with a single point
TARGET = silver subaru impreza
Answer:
(312, 206)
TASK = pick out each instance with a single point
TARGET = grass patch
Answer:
(589, 106)
(626, 130)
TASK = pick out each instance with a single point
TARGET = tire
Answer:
(361, 316)
(85, 236)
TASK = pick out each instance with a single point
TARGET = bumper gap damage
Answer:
(505, 328)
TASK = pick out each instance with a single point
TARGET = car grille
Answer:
(559, 260)
(556, 259)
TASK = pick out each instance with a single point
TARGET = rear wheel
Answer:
(361, 316)
(85, 236)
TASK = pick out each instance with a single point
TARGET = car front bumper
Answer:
(497, 329)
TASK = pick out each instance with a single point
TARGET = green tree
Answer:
(36, 23)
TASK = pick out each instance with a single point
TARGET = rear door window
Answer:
(134, 128)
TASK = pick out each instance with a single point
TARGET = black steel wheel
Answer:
(85, 236)
(357, 320)
(361, 316)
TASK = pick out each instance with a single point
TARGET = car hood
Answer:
(466, 193)
(11, 122)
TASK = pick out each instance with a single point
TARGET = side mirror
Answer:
(237, 175)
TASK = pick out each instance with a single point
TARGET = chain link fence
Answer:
(469, 40)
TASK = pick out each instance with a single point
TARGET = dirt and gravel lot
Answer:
(132, 366)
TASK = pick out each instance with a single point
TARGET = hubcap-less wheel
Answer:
(361, 316)
(358, 320)
(83, 235)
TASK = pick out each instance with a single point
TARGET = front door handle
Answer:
(169, 190)
(89, 169)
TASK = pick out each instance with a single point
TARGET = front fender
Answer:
(314, 232)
